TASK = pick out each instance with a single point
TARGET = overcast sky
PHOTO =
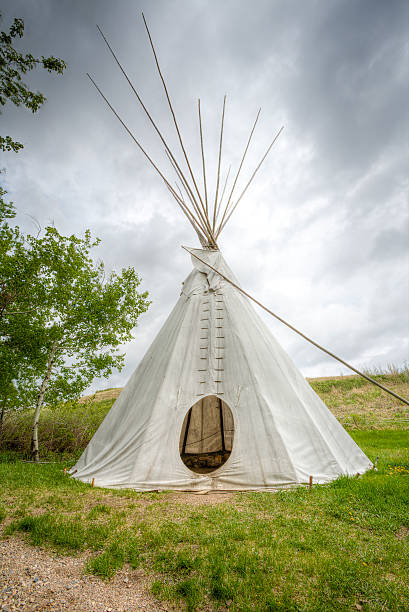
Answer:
(321, 237)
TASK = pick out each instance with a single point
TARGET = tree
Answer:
(63, 318)
(14, 64)
(20, 320)
(85, 317)
(19, 266)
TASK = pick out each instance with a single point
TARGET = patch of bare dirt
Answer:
(171, 499)
(101, 396)
(323, 378)
(33, 579)
(402, 533)
(199, 499)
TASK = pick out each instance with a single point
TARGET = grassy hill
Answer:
(355, 402)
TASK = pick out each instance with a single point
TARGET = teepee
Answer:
(215, 404)
(216, 387)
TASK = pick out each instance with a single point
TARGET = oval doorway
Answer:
(206, 438)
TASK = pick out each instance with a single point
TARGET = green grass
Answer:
(358, 404)
(326, 548)
(332, 547)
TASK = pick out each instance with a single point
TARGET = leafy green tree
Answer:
(86, 315)
(14, 64)
(20, 320)
(63, 317)
(19, 265)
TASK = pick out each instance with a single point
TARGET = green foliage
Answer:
(86, 314)
(325, 386)
(62, 318)
(65, 535)
(18, 292)
(66, 427)
(14, 64)
(8, 144)
(107, 563)
(390, 374)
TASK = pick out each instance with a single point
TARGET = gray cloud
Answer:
(390, 244)
(321, 237)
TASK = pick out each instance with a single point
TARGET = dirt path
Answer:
(32, 578)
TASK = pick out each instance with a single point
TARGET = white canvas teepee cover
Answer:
(214, 344)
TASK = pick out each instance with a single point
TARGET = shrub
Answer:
(66, 428)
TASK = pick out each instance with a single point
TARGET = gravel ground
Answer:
(32, 578)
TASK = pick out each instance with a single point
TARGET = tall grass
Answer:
(65, 428)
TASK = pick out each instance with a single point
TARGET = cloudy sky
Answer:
(322, 235)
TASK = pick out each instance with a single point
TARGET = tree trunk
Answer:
(40, 399)
(3, 409)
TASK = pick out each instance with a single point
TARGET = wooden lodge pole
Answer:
(189, 416)
(221, 424)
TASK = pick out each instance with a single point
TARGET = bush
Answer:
(66, 428)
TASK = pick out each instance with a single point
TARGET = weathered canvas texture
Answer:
(214, 343)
